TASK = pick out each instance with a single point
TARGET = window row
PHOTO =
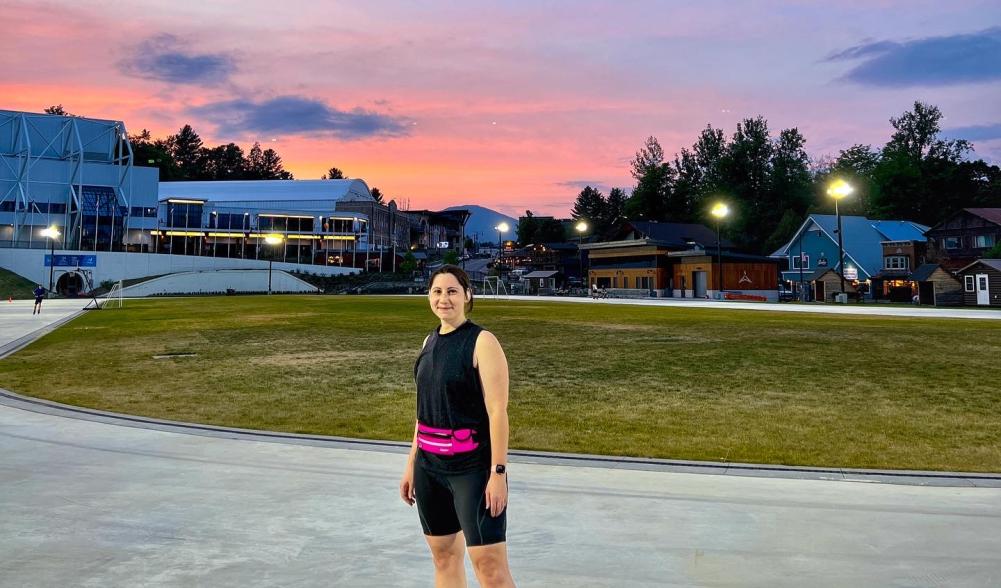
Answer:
(974, 242)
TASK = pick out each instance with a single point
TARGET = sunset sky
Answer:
(512, 104)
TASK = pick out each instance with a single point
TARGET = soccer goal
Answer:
(494, 286)
(114, 295)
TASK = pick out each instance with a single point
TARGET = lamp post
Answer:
(52, 233)
(581, 229)
(838, 190)
(501, 228)
(272, 240)
(719, 211)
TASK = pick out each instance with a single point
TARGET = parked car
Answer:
(786, 295)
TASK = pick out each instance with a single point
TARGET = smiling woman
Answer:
(456, 472)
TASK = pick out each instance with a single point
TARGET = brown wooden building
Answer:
(964, 237)
(982, 283)
(676, 260)
(936, 286)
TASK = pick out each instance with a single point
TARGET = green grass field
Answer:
(14, 286)
(743, 386)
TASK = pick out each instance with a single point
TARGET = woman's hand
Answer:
(496, 494)
(407, 493)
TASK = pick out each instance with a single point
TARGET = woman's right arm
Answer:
(407, 481)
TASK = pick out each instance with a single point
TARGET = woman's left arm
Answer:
(492, 365)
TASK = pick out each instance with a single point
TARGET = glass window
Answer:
(805, 261)
(983, 282)
(983, 241)
(969, 283)
(899, 262)
(952, 242)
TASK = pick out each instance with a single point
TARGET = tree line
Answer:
(771, 184)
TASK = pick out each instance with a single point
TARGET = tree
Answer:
(149, 153)
(994, 253)
(57, 109)
(654, 179)
(614, 213)
(271, 167)
(225, 162)
(409, 263)
(590, 206)
(186, 148)
(528, 228)
(334, 174)
(550, 231)
(450, 257)
(747, 174)
(918, 171)
(377, 194)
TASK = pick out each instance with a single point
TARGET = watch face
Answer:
(500, 469)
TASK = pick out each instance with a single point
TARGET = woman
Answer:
(457, 468)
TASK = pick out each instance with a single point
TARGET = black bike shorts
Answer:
(449, 503)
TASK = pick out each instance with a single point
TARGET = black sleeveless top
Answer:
(450, 395)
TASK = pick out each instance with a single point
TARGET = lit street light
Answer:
(52, 233)
(581, 229)
(838, 190)
(501, 228)
(720, 211)
(272, 240)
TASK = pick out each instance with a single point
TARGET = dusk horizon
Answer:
(510, 107)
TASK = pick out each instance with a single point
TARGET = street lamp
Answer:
(501, 228)
(838, 190)
(272, 240)
(52, 233)
(720, 211)
(581, 229)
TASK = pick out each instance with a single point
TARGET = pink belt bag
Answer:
(445, 441)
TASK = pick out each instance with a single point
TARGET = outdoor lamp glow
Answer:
(581, 227)
(720, 210)
(52, 233)
(503, 228)
(272, 240)
(839, 189)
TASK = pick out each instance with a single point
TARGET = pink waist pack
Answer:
(445, 441)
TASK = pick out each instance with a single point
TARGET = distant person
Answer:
(457, 468)
(39, 296)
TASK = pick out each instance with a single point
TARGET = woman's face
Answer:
(448, 299)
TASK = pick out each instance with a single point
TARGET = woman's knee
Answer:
(447, 554)
(490, 566)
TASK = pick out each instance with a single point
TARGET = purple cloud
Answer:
(164, 58)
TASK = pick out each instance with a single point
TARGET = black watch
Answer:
(500, 469)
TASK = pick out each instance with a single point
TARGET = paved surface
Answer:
(19, 327)
(871, 309)
(94, 504)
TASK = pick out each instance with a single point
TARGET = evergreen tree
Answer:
(334, 174)
(187, 151)
(589, 206)
(377, 194)
(649, 199)
(225, 162)
(614, 213)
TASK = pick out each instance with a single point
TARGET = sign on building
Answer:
(851, 273)
(71, 261)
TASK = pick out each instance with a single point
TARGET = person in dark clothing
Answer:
(39, 296)
(456, 471)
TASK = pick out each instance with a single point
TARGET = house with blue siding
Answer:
(872, 252)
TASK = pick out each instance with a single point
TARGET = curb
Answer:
(892, 477)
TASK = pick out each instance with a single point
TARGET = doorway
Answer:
(70, 284)
(983, 294)
(700, 282)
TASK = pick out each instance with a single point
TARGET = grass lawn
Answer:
(747, 386)
(13, 285)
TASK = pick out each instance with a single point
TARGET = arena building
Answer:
(75, 212)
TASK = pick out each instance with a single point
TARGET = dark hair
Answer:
(460, 275)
